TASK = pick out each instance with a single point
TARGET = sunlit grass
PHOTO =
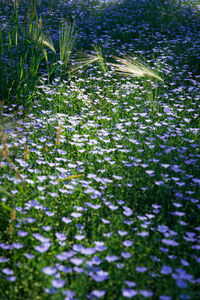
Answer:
(86, 59)
(130, 66)
(42, 40)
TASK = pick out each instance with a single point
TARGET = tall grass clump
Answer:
(67, 42)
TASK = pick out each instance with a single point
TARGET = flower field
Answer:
(99, 132)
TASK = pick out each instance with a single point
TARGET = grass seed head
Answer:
(129, 66)
(58, 135)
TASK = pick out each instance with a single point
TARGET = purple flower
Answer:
(17, 245)
(109, 234)
(122, 233)
(58, 283)
(60, 236)
(96, 260)
(79, 237)
(127, 243)
(196, 180)
(11, 278)
(76, 214)
(162, 297)
(120, 266)
(178, 213)
(113, 207)
(146, 294)
(111, 258)
(43, 247)
(100, 276)
(126, 255)
(46, 228)
(129, 293)
(100, 246)
(64, 269)
(143, 233)
(5, 246)
(30, 220)
(142, 218)
(166, 270)
(182, 284)
(68, 293)
(8, 271)
(164, 250)
(29, 256)
(128, 212)
(49, 213)
(41, 238)
(184, 262)
(22, 233)
(88, 251)
(98, 293)
(66, 220)
(130, 283)
(65, 255)
(159, 182)
(78, 270)
(50, 291)
(49, 270)
(105, 221)
(170, 242)
(78, 248)
(77, 261)
(3, 260)
(141, 269)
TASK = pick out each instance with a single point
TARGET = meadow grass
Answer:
(99, 153)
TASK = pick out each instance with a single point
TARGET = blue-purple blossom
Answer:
(58, 283)
(100, 276)
(3, 260)
(76, 214)
(130, 283)
(111, 258)
(60, 236)
(69, 294)
(22, 233)
(98, 293)
(126, 255)
(182, 284)
(146, 293)
(141, 269)
(7, 271)
(49, 270)
(29, 256)
(129, 293)
(170, 242)
(166, 270)
(65, 255)
(127, 243)
(41, 238)
(76, 261)
(11, 278)
(162, 297)
(88, 251)
(43, 247)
